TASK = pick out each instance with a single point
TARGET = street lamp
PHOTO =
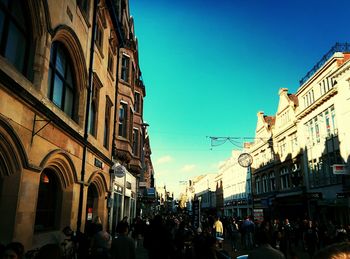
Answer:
(245, 160)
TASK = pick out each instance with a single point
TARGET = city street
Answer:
(141, 252)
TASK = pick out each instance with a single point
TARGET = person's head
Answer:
(261, 237)
(123, 228)
(67, 231)
(14, 250)
(335, 251)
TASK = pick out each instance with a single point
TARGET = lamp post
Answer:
(245, 160)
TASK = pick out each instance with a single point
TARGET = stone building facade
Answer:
(293, 168)
(71, 102)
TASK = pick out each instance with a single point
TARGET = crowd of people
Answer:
(173, 236)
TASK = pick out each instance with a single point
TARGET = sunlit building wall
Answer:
(235, 189)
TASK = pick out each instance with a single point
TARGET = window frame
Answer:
(54, 71)
(10, 19)
(123, 120)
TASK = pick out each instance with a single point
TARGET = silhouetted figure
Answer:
(123, 247)
(157, 240)
(50, 251)
(14, 250)
(335, 251)
(264, 250)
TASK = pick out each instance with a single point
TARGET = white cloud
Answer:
(164, 160)
(188, 168)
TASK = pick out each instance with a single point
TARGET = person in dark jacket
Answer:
(123, 247)
(265, 250)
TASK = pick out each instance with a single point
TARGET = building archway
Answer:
(96, 201)
(13, 159)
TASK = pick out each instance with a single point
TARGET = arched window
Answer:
(47, 210)
(15, 36)
(61, 83)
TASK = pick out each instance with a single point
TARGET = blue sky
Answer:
(210, 66)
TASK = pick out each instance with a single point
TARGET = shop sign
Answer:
(315, 195)
(343, 195)
(340, 169)
(89, 214)
(259, 215)
(196, 213)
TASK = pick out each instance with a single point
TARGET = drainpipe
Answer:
(87, 114)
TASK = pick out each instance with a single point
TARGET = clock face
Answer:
(245, 160)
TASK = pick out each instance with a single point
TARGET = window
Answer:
(15, 40)
(265, 187)
(110, 65)
(257, 185)
(334, 126)
(106, 131)
(284, 175)
(84, 6)
(137, 102)
(125, 68)
(135, 142)
(272, 181)
(294, 144)
(99, 37)
(123, 116)
(46, 208)
(328, 125)
(61, 84)
(317, 130)
(133, 76)
(282, 147)
(94, 109)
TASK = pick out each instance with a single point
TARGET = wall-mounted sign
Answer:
(340, 169)
(98, 163)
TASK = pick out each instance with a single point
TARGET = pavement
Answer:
(142, 253)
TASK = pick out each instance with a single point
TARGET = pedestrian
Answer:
(157, 240)
(14, 250)
(124, 221)
(218, 227)
(334, 251)
(123, 246)
(233, 234)
(101, 243)
(287, 234)
(310, 238)
(50, 251)
(264, 250)
(248, 233)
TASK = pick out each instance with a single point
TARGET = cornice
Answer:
(318, 103)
